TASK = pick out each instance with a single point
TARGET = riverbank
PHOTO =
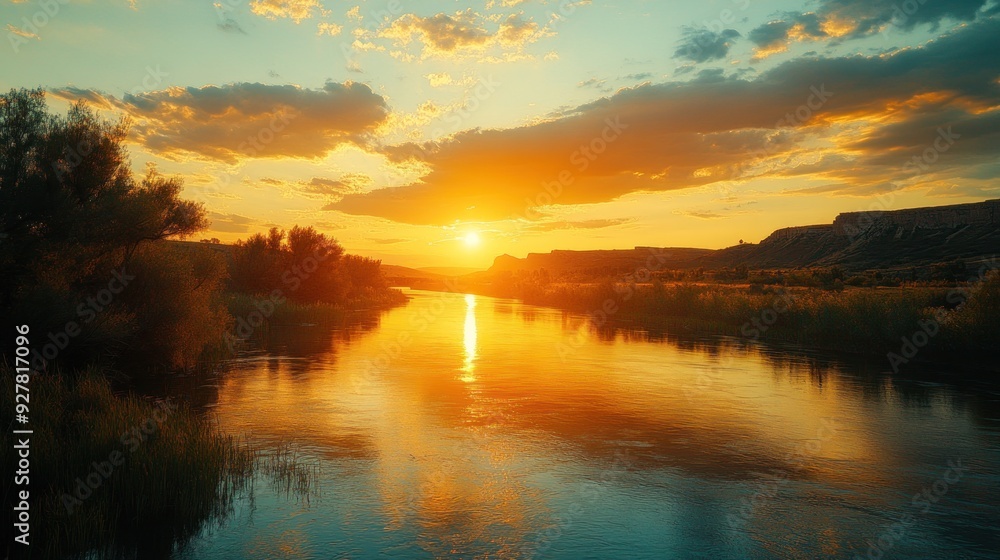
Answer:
(117, 475)
(281, 311)
(935, 322)
(120, 471)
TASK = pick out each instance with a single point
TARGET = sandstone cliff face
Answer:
(787, 233)
(979, 213)
(855, 240)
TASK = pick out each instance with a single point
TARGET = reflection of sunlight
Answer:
(470, 339)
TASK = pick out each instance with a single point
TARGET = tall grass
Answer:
(863, 320)
(181, 475)
(291, 312)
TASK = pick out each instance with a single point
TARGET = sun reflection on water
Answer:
(469, 341)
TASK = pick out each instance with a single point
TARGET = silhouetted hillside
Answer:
(914, 237)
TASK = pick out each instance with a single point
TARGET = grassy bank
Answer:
(293, 313)
(120, 469)
(958, 321)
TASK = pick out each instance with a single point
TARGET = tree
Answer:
(72, 216)
(304, 265)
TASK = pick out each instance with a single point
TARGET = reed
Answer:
(174, 470)
(860, 320)
(290, 312)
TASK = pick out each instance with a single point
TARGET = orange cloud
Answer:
(241, 121)
(462, 33)
(786, 122)
(295, 10)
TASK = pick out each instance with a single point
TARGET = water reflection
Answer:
(506, 440)
(469, 340)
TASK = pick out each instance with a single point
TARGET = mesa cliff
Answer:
(884, 239)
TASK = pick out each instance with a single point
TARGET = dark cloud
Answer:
(770, 34)
(849, 19)
(677, 135)
(639, 76)
(231, 26)
(594, 83)
(249, 120)
(704, 45)
(230, 223)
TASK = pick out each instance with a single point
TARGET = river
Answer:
(463, 426)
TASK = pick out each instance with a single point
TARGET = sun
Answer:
(472, 239)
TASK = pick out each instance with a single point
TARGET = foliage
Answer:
(308, 268)
(74, 221)
(827, 315)
(181, 472)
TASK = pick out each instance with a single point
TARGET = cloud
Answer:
(21, 32)
(704, 45)
(581, 224)
(851, 120)
(460, 34)
(248, 120)
(230, 223)
(231, 26)
(295, 10)
(702, 215)
(441, 32)
(331, 29)
(851, 19)
(322, 188)
(439, 79)
(595, 83)
(638, 76)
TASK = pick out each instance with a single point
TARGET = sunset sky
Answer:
(439, 133)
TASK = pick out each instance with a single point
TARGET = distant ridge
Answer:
(854, 241)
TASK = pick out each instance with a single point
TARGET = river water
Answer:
(463, 426)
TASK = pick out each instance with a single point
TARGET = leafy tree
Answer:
(72, 216)
(304, 265)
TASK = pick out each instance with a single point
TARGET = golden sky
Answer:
(446, 133)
